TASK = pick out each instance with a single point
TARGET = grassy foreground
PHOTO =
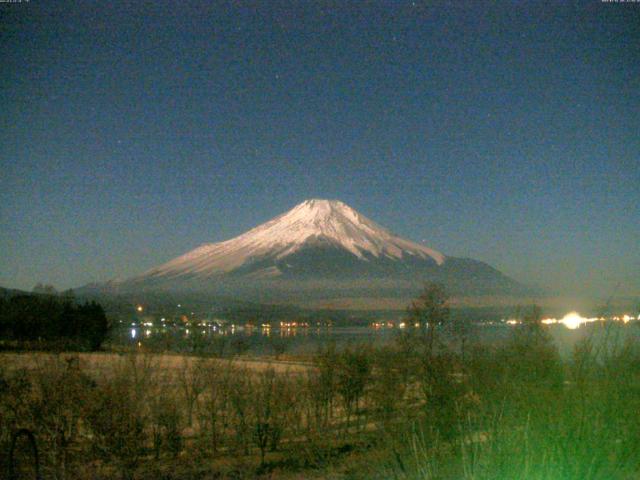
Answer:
(411, 410)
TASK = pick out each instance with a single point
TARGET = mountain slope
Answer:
(319, 247)
(313, 223)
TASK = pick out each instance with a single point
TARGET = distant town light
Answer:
(139, 308)
(572, 320)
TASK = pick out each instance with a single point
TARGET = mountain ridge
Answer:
(318, 247)
(310, 221)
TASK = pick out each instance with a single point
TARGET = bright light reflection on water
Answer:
(571, 320)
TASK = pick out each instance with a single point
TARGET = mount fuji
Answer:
(319, 248)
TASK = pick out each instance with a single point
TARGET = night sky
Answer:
(507, 131)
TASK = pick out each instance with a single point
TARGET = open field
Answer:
(96, 363)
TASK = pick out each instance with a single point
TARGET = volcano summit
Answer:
(318, 248)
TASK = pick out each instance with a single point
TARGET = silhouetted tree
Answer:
(530, 354)
(353, 371)
(192, 380)
(429, 311)
(94, 325)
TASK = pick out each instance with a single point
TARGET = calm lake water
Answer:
(306, 340)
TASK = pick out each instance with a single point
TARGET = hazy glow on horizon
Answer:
(573, 320)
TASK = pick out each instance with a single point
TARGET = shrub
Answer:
(117, 413)
(353, 370)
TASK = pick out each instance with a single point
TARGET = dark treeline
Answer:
(52, 320)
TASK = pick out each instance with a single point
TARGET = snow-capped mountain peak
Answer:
(329, 221)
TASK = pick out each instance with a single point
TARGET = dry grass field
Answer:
(95, 363)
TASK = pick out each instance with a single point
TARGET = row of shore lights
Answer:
(573, 320)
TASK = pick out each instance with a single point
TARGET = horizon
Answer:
(503, 133)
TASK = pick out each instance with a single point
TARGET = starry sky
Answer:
(504, 131)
